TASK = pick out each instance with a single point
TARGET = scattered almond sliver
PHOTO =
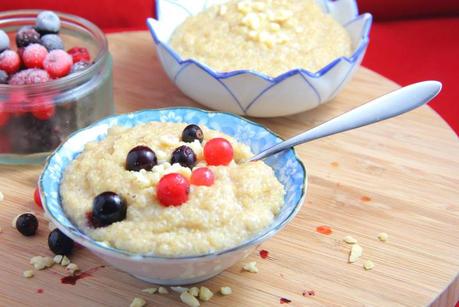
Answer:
(194, 291)
(205, 294)
(2, 197)
(138, 302)
(28, 274)
(226, 290)
(368, 265)
(162, 290)
(349, 240)
(356, 253)
(383, 236)
(41, 263)
(251, 267)
(150, 290)
(189, 299)
(72, 268)
(179, 289)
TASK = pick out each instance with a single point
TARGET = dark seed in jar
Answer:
(59, 243)
(108, 208)
(185, 156)
(27, 224)
(141, 157)
(191, 133)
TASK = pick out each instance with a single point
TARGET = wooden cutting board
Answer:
(400, 177)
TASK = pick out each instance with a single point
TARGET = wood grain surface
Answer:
(400, 177)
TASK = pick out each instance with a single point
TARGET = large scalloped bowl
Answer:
(179, 270)
(251, 93)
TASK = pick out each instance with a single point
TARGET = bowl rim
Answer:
(90, 243)
(352, 59)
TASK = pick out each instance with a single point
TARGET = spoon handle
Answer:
(395, 103)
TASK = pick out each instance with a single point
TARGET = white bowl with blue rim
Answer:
(248, 92)
(175, 270)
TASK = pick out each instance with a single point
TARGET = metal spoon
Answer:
(390, 105)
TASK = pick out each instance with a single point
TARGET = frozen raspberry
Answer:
(3, 77)
(79, 54)
(26, 36)
(58, 63)
(79, 66)
(9, 61)
(47, 22)
(4, 41)
(52, 42)
(42, 108)
(29, 76)
(34, 55)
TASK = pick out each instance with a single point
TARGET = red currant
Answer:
(202, 176)
(37, 198)
(218, 151)
(172, 190)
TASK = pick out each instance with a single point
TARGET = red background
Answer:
(411, 40)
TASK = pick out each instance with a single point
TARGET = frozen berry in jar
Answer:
(172, 190)
(58, 63)
(184, 156)
(191, 133)
(9, 61)
(47, 22)
(4, 41)
(202, 176)
(27, 224)
(79, 54)
(34, 56)
(79, 66)
(52, 42)
(59, 243)
(3, 77)
(141, 157)
(218, 151)
(108, 208)
(27, 35)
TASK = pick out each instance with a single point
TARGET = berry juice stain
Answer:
(40, 291)
(72, 280)
(325, 230)
(365, 198)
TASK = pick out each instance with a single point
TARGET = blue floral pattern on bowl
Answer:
(247, 92)
(288, 168)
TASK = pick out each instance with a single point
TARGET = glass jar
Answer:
(35, 119)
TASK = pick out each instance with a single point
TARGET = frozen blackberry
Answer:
(47, 22)
(52, 42)
(27, 35)
(79, 66)
(3, 77)
(4, 41)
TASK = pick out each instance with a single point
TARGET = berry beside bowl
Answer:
(171, 269)
(247, 91)
(55, 78)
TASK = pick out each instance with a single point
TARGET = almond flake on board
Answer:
(2, 197)
(150, 290)
(251, 267)
(383, 236)
(72, 268)
(368, 265)
(356, 253)
(179, 289)
(28, 274)
(226, 290)
(138, 302)
(349, 240)
(194, 291)
(189, 299)
(205, 294)
(41, 263)
(162, 290)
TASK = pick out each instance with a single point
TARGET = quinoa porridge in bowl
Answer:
(167, 195)
(261, 58)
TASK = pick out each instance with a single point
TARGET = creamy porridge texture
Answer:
(244, 198)
(270, 36)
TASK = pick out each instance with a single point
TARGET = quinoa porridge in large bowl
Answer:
(261, 58)
(167, 203)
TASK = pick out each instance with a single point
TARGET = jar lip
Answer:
(96, 33)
